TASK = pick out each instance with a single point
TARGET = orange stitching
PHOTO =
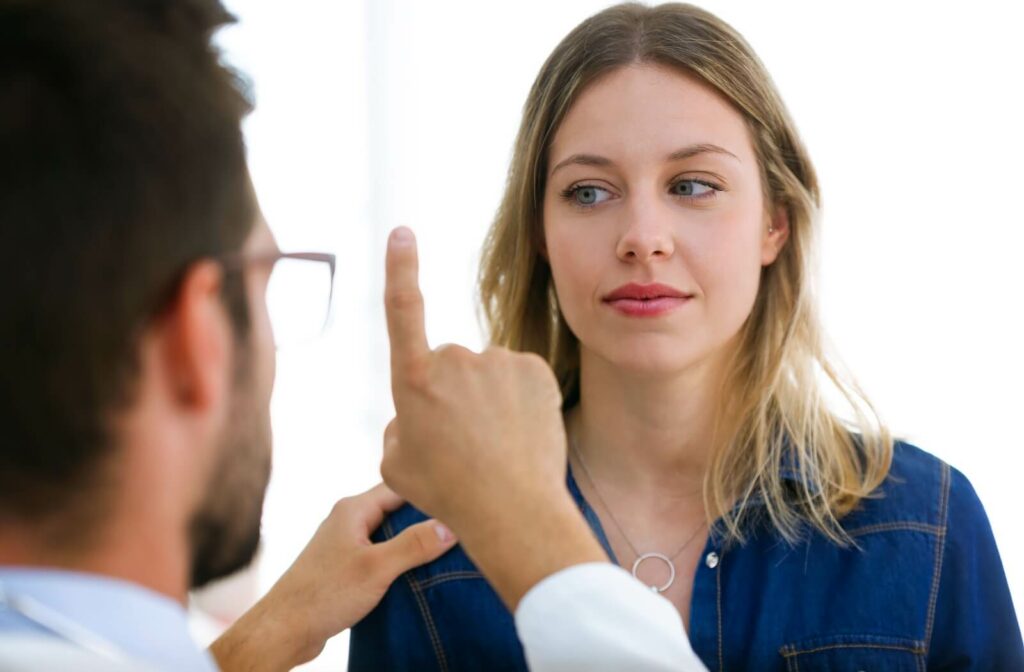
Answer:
(424, 608)
(889, 647)
(435, 639)
(718, 581)
(782, 652)
(940, 547)
(450, 576)
(900, 526)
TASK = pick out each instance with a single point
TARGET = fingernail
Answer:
(443, 533)
(402, 235)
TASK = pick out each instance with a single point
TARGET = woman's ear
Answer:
(776, 233)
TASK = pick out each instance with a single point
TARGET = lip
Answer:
(636, 300)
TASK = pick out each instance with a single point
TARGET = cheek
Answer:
(262, 341)
(575, 267)
(728, 268)
(267, 352)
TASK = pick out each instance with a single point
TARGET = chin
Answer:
(225, 530)
(225, 544)
(650, 354)
(654, 363)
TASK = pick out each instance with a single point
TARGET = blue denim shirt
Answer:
(925, 590)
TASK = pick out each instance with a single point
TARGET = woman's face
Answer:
(655, 223)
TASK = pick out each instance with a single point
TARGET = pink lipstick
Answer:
(637, 300)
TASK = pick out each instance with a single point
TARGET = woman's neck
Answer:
(645, 433)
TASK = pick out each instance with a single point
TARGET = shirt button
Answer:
(711, 560)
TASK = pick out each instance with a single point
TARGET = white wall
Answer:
(392, 112)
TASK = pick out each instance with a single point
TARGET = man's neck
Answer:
(149, 555)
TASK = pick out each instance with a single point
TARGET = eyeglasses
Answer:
(299, 292)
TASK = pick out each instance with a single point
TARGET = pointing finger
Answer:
(403, 304)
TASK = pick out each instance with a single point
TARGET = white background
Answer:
(384, 112)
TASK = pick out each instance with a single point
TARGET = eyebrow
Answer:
(678, 155)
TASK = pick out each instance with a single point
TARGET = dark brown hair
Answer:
(121, 162)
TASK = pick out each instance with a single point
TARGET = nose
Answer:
(648, 233)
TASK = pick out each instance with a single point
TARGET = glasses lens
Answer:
(298, 299)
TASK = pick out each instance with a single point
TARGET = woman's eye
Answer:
(691, 188)
(587, 195)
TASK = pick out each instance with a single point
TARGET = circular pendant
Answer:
(663, 558)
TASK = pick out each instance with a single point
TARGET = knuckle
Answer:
(342, 506)
(395, 476)
(530, 364)
(496, 352)
(402, 298)
(537, 364)
(389, 470)
(456, 357)
(533, 359)
(496, 359)
(367, 562)
(416, 375)
(444, 353)
(416, 545)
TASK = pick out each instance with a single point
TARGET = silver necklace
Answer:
(640, 557)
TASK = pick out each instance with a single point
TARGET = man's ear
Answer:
(775, 235)
(198, 339)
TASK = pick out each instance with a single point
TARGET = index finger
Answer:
(403, 304)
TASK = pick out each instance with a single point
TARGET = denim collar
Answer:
(789, 471)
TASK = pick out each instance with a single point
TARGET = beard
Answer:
(225, 531)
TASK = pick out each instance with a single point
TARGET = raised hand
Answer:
(479, 443)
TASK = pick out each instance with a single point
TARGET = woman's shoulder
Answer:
(919, 492)
(439, 616)
(922, 549)
(454, 564)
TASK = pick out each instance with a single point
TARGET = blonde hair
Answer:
(775, 418)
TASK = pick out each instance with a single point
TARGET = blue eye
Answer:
(691, 188)
(588, 195)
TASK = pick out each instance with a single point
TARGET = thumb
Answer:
(414, 546)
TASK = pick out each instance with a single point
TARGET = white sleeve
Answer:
(597, 617)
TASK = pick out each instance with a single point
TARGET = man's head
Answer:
(130, 355)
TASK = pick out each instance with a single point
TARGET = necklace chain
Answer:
(639, 556)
